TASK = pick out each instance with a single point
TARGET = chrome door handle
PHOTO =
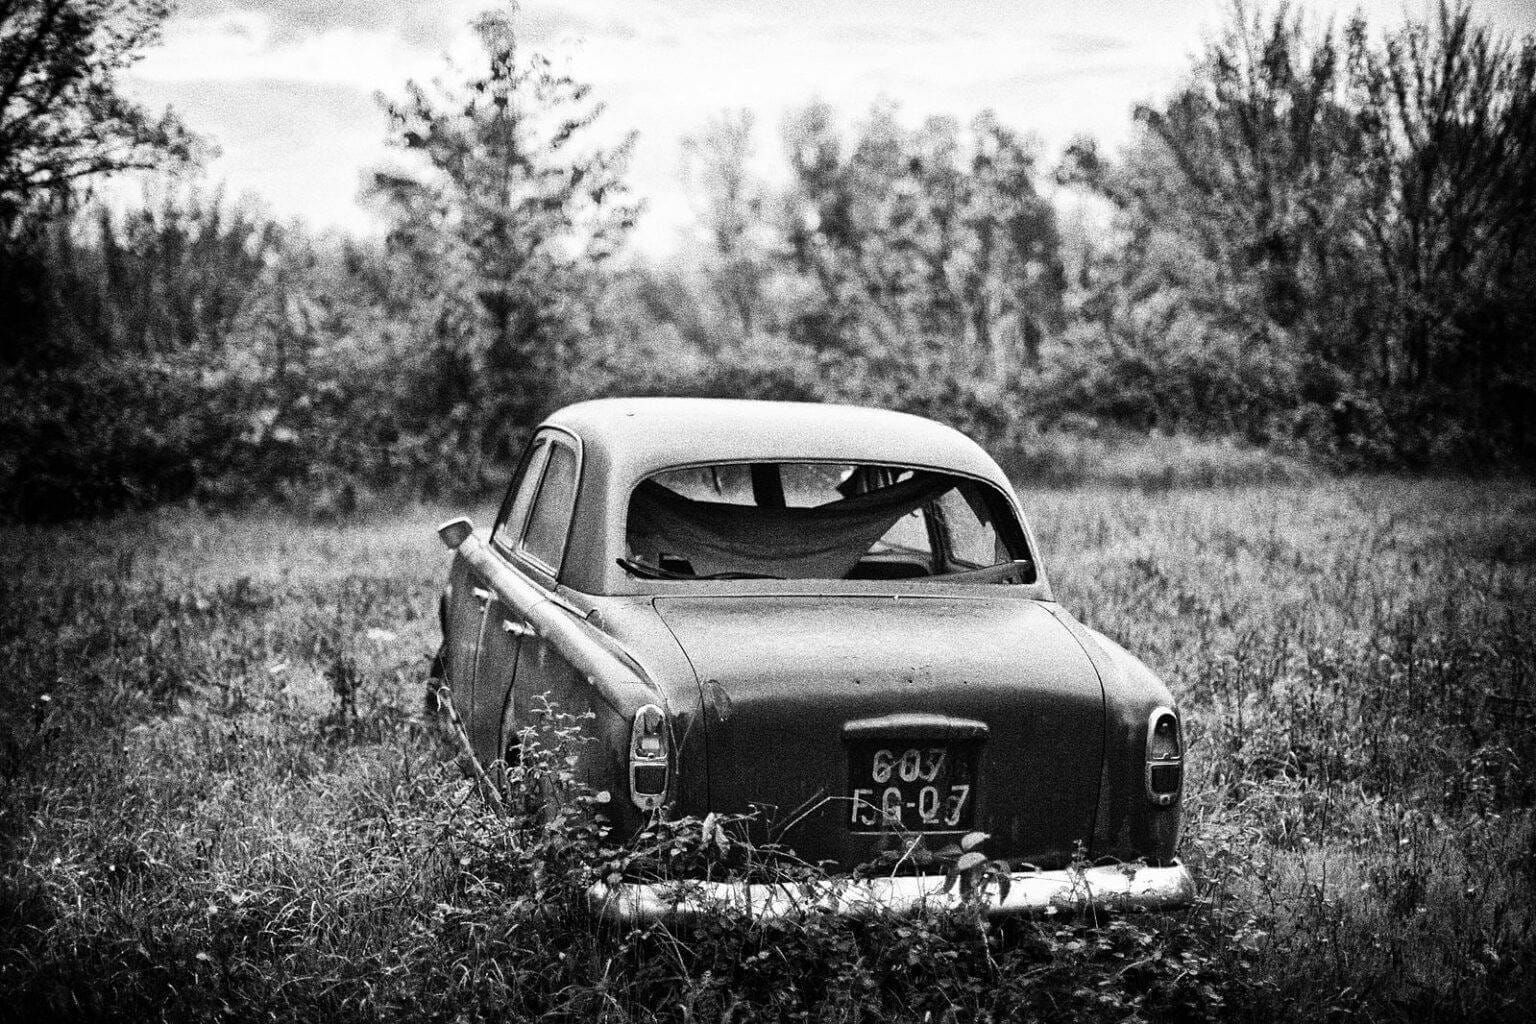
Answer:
(518, 628)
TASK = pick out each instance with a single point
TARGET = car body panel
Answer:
(1127, 825)
(782, 678)
(496, 669)
(462, 618)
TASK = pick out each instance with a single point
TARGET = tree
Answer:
(1450, 110)
(927, 247)
(1359, 214)
(1010, 274)
(62, 119)
(501, 230)
(716, 168)
(1238, 280)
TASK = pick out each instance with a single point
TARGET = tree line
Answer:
(1323, 243)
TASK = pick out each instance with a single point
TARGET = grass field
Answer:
(219, 799)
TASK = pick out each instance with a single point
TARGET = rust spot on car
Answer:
(717, 699)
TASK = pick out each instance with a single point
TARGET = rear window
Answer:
(796, 520)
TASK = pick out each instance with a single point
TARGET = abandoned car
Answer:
(834, 617)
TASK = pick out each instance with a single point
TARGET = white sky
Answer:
(286, 88)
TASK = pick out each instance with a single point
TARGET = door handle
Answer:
(481, 594)
(518, 628)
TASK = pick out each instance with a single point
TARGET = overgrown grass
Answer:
(219, 799)
(1089, 454)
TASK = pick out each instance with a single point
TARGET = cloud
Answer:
(865, 34)
(286, 85)
(1088, 44)
(302, 146)
(539, 24)
(420, 23)
(245, 46)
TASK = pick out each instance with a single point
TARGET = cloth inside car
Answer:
(821, 542)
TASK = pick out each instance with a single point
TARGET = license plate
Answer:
(911, 785)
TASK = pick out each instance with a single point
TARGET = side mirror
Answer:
(455, 532)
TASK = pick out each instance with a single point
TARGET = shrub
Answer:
(83, 441)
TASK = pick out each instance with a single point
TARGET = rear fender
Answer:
(594, 673)
(1129, 825)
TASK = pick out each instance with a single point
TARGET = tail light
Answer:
(1165, 757)
(648, 750)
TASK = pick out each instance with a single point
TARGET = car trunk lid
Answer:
(817, 708)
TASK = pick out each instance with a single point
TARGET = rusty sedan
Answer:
(829, 616)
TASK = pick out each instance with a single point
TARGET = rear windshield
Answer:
(799, 520)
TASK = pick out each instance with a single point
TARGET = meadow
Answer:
(220, 798)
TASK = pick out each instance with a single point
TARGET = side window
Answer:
(514, 511)
(970, 527)
(550, 521)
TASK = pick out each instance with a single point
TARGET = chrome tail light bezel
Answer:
(650, 749)
(1159, 759)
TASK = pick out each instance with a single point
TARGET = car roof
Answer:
(646, 435)
(622, 441)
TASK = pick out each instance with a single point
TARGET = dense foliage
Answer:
(1330, 239)
(1323, 245)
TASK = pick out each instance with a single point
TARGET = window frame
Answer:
(516, 551)
(523, 551)
(1017, 527)
(944, 530)
(534, 458)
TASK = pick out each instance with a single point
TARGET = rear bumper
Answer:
(1117, 889)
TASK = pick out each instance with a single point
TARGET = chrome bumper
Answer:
(1117, 889)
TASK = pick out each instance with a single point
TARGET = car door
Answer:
(541, 669)
(496, 647)
(468, 601)
(463, 620)
(533, 543)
